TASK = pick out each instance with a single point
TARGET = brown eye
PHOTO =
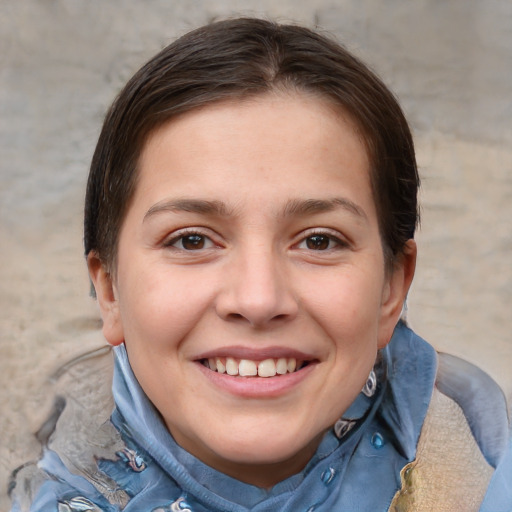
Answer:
(318, 242)
(191, 242)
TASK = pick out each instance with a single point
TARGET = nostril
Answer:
(257, 305)
(235, 316)
(239, 317)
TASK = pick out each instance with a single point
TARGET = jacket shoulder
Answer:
(481, 400)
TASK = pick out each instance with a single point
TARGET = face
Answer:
(250, 287)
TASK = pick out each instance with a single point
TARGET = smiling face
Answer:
(250, 287)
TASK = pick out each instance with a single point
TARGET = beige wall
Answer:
(61, 62)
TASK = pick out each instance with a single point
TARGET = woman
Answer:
(249, 231)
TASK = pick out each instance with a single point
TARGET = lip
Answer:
(259, 354)
(257, 387)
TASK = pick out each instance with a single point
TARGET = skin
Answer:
(275, 194)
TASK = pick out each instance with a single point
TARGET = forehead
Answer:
(296, 142)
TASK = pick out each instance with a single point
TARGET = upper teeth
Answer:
(248, 367)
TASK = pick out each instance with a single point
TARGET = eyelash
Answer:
(203, 239)
(339, 242)
(182, 235)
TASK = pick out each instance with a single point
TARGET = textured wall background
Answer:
(62, 61)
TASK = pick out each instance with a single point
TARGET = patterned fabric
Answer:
(130, 462)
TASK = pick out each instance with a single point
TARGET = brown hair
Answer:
(235, 59)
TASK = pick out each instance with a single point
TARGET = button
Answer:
(328, 475)
(184, 506)
(180, 505)
(377, 441)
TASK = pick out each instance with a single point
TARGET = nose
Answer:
(257, 289)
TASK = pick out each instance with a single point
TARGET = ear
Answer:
(107, 299)
(397, 284)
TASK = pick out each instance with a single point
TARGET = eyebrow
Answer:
(311, 206)
(294, 207)
(200, 206)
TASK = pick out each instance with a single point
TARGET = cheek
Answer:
(161, 307)
(346, 300)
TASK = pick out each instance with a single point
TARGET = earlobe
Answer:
(107, 300)
(395, 292)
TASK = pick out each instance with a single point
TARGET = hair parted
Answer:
(236, 59)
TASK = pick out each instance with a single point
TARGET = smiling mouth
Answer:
(249, 368)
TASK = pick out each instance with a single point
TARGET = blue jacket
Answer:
(132, 463)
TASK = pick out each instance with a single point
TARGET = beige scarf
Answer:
(450, 474)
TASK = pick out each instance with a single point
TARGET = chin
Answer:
(269, 448)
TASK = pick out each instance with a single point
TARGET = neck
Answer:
(263, 475)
